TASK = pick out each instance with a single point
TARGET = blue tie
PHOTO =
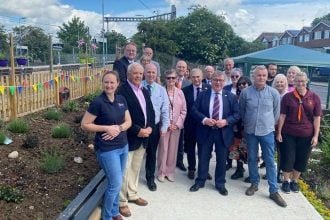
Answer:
(149, 89)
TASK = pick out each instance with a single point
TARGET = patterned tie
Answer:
(216, 107)
(179, 83)
(149, 89)
(197, 92)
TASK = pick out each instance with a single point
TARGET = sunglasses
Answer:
(242, 84)
(171, 77)
(233, 76)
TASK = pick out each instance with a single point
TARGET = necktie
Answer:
(216, 107)
(197, 92)
(149, 89)
(179, 83)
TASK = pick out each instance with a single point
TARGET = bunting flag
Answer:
(34, 87)
(56, 79)
(72, 77)
(12, 90)
(20, 89)
(39, 86)
(51, 82)
(46, 85)
(2, 90)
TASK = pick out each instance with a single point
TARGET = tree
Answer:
(114, 40)
(72, 32)
(319, 19)
(36, 40)
(4, 46)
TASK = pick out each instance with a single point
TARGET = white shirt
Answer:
(195, 90)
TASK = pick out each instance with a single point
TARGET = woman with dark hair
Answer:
(238, 150)
(109, 117)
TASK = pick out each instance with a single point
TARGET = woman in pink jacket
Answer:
(168, 144)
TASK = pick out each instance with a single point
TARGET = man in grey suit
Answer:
(181, 69)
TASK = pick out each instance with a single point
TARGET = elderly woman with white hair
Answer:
(291, 74)
(298, 131)
(280, 83)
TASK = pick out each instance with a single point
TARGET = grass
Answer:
(2, 137)
(52, 114)
(70, 106)
(10, 194)
(18, 126)
(62, 130)
(52, 162)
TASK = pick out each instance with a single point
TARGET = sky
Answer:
(248, 18)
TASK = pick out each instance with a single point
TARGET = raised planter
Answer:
(21, 61)
(4, 62)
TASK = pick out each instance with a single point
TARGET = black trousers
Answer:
(179, 158)
(190, 149)
(151, 153)
(204, 156)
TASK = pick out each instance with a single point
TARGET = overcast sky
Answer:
(247, 17)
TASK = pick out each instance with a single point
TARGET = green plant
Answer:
(66, 202)
(18, 126)
(62, 130)
(70, 106)
(52, 161)
(31, 141)
(325, 147)
(10, 194)
(2, 137)
(52, 114)
(3, 56)
(91, 96)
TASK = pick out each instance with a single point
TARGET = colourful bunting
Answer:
(12, 90)
(20, 89)
(2, 89)
(35, 87)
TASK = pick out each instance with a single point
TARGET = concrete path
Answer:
(174, 201)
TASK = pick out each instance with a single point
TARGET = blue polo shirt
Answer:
(109, 113)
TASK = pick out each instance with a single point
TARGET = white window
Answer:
(327, 34)
(301, 38)
(317, 35)
(289, 40)
(306, 37)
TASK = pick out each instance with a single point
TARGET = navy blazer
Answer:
(138, 120)
(228, 87)
(190, 122)
(120, 66)
(200, 110)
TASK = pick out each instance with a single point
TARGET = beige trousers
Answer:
(131, 177)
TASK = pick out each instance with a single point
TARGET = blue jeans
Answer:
(113, 164)
(267, 144)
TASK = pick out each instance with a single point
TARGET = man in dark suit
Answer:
(208, 71)
(143, 120)
(120, 66)
(191, 92)
(216, 111)
(181, 70)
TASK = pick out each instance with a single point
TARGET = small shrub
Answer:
(2, 137)
(52, 162)
(2, 124)
(325, 147)
(52, 114)
(61, 131)
(18, 126)
(10, 194)
(91, 96)
(70, 106)
(31, 141)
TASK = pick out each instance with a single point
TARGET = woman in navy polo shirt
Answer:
(298, 130)
(109, 117)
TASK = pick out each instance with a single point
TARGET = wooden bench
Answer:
(87, 200)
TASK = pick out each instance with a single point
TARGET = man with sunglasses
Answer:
(216, 111)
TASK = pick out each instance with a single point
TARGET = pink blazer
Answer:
(179, 108)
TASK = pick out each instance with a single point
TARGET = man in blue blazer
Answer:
(216, 111)
(191, 93)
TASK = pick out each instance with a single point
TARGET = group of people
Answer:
(223, 112)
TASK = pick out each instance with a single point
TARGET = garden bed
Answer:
(45, 195)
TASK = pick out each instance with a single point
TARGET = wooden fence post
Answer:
(12, 97)
(86, 79)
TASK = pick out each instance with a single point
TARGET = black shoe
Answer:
(191, 174)
(286, 187)
(195, 188)
(228, 166)
(152, 185)
(238, 174)
(223, 191)
(278, 199)
(262, 165)
(247, 180)
(209, 177)
(181, 166)
(264, 177)
(294, 186)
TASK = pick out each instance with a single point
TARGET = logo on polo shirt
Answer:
(121, 105)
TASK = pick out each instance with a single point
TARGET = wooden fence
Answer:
(41, 90)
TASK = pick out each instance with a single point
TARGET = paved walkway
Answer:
(174, 201)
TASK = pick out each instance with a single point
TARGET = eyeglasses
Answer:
(218, 80)
(171, 77)
(242, 84)
(234, 76)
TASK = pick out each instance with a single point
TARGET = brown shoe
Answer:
(118, 217)
(139, 201)
(251, 190)
(124, 211)
(278, 199)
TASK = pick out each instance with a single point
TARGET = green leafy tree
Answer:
(319, 19)
(4, 46)
(36, 40)
(238, 46)
(114, 39)
(73, 31)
